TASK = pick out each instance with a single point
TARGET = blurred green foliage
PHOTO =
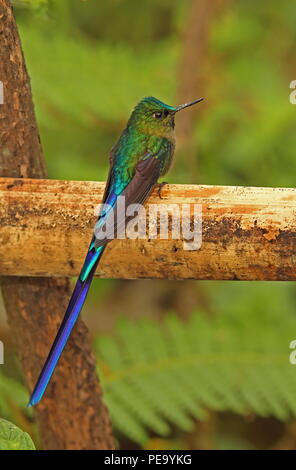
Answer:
(12, 438)
(236, 362)
(90, 62)
(12, 394)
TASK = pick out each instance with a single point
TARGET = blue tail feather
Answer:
(75, 305)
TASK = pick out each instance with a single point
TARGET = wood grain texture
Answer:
(72, 414)
(247, 233)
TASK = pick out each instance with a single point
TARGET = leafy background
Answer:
(184, 364)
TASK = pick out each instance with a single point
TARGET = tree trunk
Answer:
(72, 415)
(193, 72)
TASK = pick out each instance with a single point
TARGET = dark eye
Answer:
(165, 113)
(158, 115)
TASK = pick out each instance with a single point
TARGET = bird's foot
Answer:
(160, 186)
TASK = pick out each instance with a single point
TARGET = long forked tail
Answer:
(75, 305)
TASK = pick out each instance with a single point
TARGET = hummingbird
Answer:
(142, 154)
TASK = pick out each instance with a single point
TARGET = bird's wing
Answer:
(137, 190)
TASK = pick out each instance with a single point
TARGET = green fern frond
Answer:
(155, 376)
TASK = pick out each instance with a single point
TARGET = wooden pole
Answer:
(247, 233)
(72, 415)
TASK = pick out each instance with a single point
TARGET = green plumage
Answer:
(144, 136)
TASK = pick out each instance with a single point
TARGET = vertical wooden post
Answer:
(72, 415)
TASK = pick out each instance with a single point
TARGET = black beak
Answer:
(186, 105)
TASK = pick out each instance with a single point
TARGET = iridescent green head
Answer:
(153, 117)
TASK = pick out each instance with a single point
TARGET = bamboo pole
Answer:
(247, 233)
